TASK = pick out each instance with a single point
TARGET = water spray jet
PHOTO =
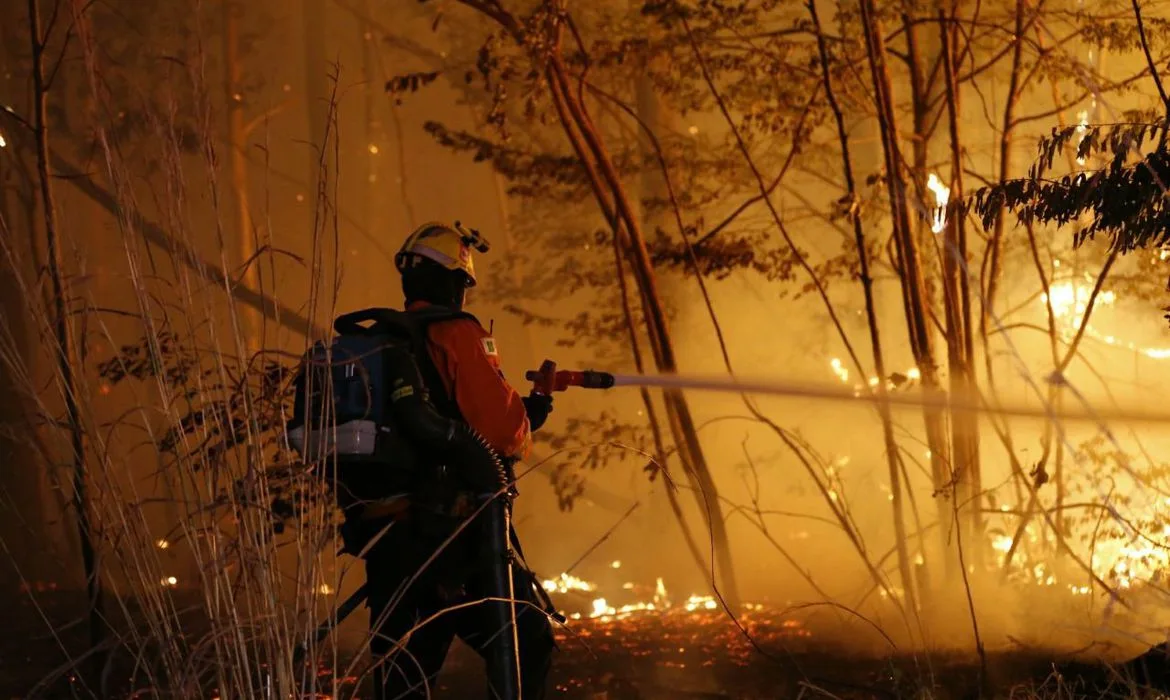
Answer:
(549, 379)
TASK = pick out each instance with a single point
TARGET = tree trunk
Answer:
(619, 212)
(652, 189)
(621, 248)
(891, 444)
(251, 322)
(906, 246)
(677, 407)
(652, 417)
(995, 246)
(922, 94)
(957, 297)
(62, 341)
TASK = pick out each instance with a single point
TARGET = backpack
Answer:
(341, 420)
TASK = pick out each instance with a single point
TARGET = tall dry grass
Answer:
(192, 470)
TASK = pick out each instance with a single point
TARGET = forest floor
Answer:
(647, 656)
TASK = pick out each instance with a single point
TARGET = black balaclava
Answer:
(426, 280)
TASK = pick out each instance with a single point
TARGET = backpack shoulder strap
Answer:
(409, 328)
(381, 321)
(422, 319)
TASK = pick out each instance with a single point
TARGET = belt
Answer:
(392, 507)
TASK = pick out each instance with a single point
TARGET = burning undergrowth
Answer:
(645, 640)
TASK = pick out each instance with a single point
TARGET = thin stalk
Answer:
(63, 331)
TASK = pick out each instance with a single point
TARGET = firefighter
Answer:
(411, 633)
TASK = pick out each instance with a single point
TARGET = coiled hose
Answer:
(480, 468)
(478, 465)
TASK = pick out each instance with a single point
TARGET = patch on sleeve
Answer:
(489, 346)
(402, 392)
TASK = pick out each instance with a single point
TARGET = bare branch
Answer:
(1141, 27)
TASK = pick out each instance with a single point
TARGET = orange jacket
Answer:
(469, 366)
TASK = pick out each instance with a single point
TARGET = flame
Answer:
(704, 601)
(1070, 301)
(169, 581)
(1082, 127)
(603, 611)
(565, 583)
(1120, 563)
(942, 195)
(162, 544)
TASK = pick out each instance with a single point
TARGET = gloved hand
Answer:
(537, 406)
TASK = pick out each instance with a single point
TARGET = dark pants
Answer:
(458, 576)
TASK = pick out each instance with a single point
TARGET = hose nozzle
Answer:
(548, 379)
